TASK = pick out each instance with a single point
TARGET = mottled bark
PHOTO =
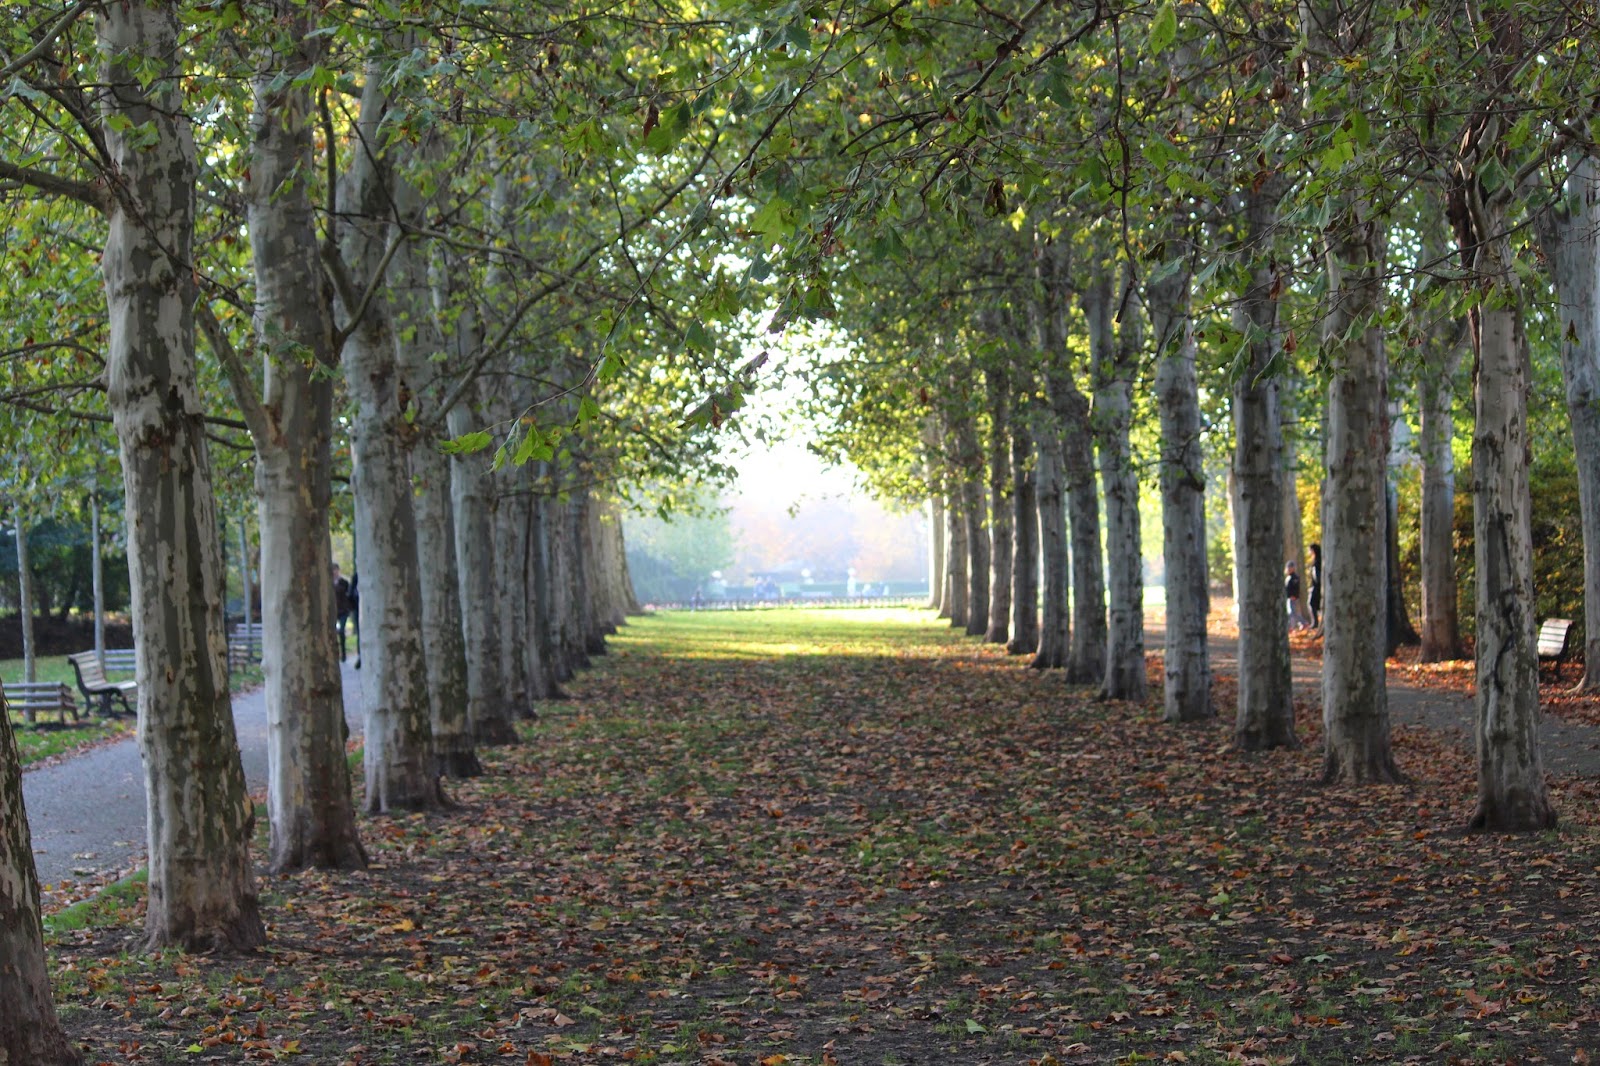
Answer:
(471, 496)
(1569, 232)
(1511, 787)
(1086, 659)
(202, 893)
(29, 1030)
(309, 805)
(1355, 704)
(1266, 708)
(1025, 539)
(1186, 667)
(400, 770)
(1115, 366)
(419, 344)
(1442, 346)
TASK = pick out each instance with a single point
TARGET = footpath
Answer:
(87, 812)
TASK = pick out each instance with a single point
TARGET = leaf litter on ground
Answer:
(813, 837)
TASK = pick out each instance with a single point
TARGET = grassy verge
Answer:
(854, 837)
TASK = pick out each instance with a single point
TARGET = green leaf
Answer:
(974, 1027)
(588, 410)
(467, 443)
(1163, 29)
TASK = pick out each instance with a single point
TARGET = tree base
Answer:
(459, 765)
(242, 934)
(495, 732)
(1374, 770)
(1522, 814)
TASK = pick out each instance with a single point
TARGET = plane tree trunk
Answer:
(310, 810)
(30, 1032)
(1115, 366)
(202, 892)
(1266, 709)
(1569, 232)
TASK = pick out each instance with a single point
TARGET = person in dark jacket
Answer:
(1291, 592)
(342, 605)
(1314, 600)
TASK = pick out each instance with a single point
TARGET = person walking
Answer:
(1314, 598)
(1291, 592)
(342, 606)
(355, 613)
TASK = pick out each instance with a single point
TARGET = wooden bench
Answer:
(92, 682)
(1553, 639)
(244, 644)
(31, 697)
(120, 659)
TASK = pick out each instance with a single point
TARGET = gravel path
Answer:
(86, 813)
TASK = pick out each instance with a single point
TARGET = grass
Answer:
(856, 837)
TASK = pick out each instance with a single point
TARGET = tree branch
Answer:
(257, 421)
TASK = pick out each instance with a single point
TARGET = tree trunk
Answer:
(1025, 534)
(1115, 367)
(309, 805)
(1086, 661)
(471, 491)
(936, 554)
(97, 577)
(25, 600)
(1570, 235)
(1186, 665)
(1397, 629)
(202, 892)
(1441, 357)
(955, 557)
(400, 769)
(1266, 707)
(443, 642)
(1355, 703)
(29, 1030)
(1055, 627)
(1511, 786)
(513, 521)
(1000, 515)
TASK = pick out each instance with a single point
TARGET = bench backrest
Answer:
(89, 668)
(1553, 637)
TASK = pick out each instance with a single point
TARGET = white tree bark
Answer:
(400, 769)
(29, 1030)
(1266, 707)
(309, 806)
(1355, 705)
(202, 893)
(936, 552)
(1569, 231)
(1115, 366)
